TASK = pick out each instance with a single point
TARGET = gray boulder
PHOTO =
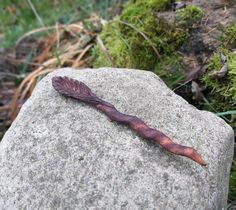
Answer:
(63, 154)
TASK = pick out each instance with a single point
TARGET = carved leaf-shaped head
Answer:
(74, 88)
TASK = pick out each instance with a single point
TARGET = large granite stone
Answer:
(62, 154)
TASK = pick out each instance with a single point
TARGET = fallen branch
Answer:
(78, 90)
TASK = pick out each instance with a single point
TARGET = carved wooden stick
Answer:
(78, 90)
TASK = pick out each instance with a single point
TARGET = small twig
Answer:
(206, 34)
(78, 90)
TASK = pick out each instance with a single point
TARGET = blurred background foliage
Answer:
(18, 17)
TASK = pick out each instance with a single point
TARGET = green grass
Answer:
(17, 17)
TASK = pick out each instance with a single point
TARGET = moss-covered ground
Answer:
(138, 38)
(222, 89)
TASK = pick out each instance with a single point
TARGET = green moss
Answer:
(225, 86)
(189, 15)
(222, 95)
(118, 47)
(157, 5)
(137, 38)
(232, 182)
(229, 37)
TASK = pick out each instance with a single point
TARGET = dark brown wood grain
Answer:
(78, 90)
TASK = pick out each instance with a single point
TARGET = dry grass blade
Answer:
(39, 30)
(85, 62)
(14, 103)
(75, 64)
(25, 90)
(105, 51)
(67, 46)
